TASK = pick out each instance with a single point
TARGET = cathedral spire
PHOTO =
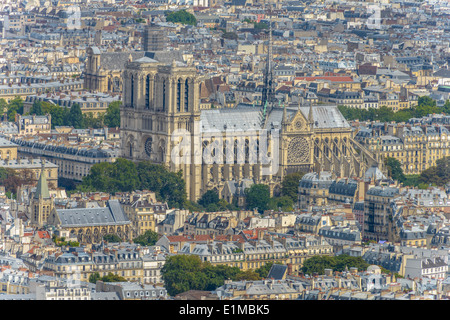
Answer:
(268, 93)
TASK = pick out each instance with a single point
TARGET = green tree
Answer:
(99, 178)
(60, 115)
(111, 277)
(75, 117)
(119, 176)
(344, 261)
(263, 271)
(247, 275)
(112, 115)
(445, 107)
(439, 174)
(426, 101)
(257, 196)
(181, 16)
(395, 169)
(181, 273)
(36, 108)
(318, 264)
(187, 272)
(11, 180)
(209, 197)
(168, 186)
(124, 175)
(289, 185)
(94, 277)
(3, 106)
(149, 238)
(283, 203)
(91, 121)
(111, 237)
(15, 106)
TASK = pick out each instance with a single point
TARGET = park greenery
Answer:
(148, 238)
(12, 179)
(181, 16)
(112, 237)
(126, 176)
(61, 241)
(187, 272)
(425, 106)
(438, 175)
(318, 264)
(110, 277)
(64, 116)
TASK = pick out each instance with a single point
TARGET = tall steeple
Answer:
(42, 185)
(42, 204)
(268, 92)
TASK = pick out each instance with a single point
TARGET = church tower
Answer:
(41, 203)
(160, 99)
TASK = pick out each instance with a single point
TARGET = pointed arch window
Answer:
(179, 95)
(164, 96)
(132, 91)
(186, 95)
(147, 92)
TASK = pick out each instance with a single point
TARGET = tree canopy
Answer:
(187, 272)
(211, 202)
(149, 238)
(438, 175)
(425, 106)
(289, 185)
(395, 170)
(64, 116)
(126, 176)
(181, 16)
(318, 264)
(112, 115)
(258, 196)
(111, 237)
(110, 277)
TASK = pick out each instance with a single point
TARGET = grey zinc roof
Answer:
(326, 116)
(277, 272)
(113, 214)
(6, 143)
(383, 192)
(247, 117)
(165, 56)
(239, 118)
(117, 60)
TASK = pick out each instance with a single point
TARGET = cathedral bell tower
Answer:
(160, 100)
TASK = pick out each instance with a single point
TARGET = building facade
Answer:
(161, 121)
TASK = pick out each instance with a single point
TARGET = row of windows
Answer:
(144, 293)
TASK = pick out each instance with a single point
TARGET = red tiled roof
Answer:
(202, 237)
(43, 234)
(31, 251)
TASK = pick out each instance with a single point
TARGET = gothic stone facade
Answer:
(161, 99)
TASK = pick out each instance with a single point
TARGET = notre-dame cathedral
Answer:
(161, 100)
